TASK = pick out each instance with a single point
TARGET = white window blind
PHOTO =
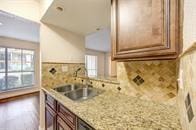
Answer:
(91, 65)
(16, 68)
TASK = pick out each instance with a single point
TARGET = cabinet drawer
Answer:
(51, 102)
(62, 125)
(66, 115)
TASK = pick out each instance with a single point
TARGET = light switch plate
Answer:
(64, 68)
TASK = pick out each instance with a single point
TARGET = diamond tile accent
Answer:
(53, 71)
(190, 113)
(138, 80)
(187, 101)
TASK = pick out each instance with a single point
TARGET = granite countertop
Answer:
(116, 111)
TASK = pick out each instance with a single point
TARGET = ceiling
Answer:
(99, 41)
(79, 16)
(18, 27)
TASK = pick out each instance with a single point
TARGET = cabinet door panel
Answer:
(66, 114)
(144, 28)
(140, 23)
(51, 102)
(62, 125)
(50, 118)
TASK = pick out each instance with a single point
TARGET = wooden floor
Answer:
(22, 113)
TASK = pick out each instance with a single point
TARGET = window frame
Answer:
(6, 72)
(96, 65)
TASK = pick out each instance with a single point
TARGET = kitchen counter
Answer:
(116, 111)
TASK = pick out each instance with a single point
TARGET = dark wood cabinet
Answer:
(51, 102)
(50, 118)
(63, 125)
(145, 29)
(58, 117)
(67, 116)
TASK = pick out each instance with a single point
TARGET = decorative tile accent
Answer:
(189, 107)
(157, 80)
(138, 80)
(171, 95)
(161, 79)
(53, 71)
(190, 113)
(119, 88)
(187, 101)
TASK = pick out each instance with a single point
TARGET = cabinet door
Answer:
(51, 102)
(65, 114)
(62, 125)
(83, 125)
(50, 118)
(145, 29)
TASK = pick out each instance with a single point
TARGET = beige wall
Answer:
(187, 76)
(70, 47)
(9, 42)
(29, 9)
(59, 45)
(111, 65)
(189, 27)
(44, 5)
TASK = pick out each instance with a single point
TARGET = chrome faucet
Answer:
(87, 81)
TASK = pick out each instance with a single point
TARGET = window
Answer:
(91, 65)
(16, 68)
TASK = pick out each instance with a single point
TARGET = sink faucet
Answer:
(87, 81)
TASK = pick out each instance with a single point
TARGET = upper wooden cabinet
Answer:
(145, 29)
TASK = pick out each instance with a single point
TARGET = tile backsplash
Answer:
(187, 91)
(151, 80)
(54, 74)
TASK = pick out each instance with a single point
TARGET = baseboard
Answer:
(15, 93)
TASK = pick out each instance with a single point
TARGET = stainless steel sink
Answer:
(67, 88)
(78, 92)
(82, 94)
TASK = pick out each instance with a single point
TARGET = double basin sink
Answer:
(78, 92)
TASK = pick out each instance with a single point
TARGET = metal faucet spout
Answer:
(87, 80)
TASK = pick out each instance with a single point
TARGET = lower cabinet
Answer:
(50, 118)
(62, 125)
(58, 117)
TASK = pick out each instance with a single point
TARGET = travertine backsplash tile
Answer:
(152, 80)
(149, 80)
(58, 78)
(53, 75)
(187, 91)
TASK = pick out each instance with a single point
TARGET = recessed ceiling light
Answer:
(59, 8)
(1, 23)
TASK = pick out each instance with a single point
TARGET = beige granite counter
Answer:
(116, 111)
